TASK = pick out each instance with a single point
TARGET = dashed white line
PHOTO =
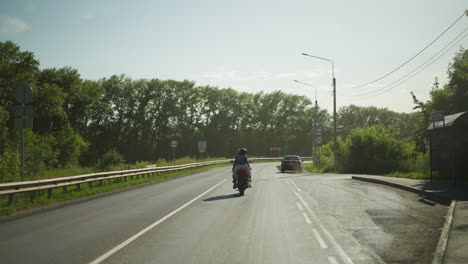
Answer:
(337, 247)
(332, 260)
(148, 228)
(307, 219)
(319, 238)
(299, 206)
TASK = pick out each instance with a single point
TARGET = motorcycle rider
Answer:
(240, 162)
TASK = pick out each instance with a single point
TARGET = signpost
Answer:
(438, 116)
(318, 132)
(23, 115)
(275, 149)
(201, 147)
(319, 140)
(173, 146)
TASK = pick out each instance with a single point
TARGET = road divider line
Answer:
(307, 219)
(148, 228)
(293, 183)
(332, 260)
(337, 247)
(319, 238)
(299, 206)
(297, 188)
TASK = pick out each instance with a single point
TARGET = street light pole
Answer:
(334, 104)
(314, 124)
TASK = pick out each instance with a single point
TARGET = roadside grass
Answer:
(62, 172)
(311, 168)
(419, 175)
(186, 160)
(25, 201)
(73, 171)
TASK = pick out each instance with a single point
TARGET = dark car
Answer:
(291, 162)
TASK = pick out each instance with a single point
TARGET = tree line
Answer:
(77, 121)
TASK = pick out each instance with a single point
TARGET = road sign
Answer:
(438, 116)
(28, 123)
(318, 132)
(173, 144)
(26, 111)
(23, 114)
(201, 146)
(319, 140)
(23, 94)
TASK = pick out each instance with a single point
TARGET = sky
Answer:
(249, 45)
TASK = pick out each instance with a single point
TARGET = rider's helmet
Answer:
(242, 151)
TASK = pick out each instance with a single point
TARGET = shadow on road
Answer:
(446, 189)
(221, 197)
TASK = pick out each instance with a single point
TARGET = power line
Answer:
(388, 89)
(425, 67)
(417, 68)
(399, 67)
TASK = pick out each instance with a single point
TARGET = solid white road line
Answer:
(299, 206)
(319, 238)
(293, 183)
(297, 188)
(306, 218)
(337, 247)
(137, 235)
(332, 260)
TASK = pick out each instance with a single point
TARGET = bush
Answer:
(161, 162)
(374, 150)
(371, 150)
(110, 159)
(9, 166)
(70, 145)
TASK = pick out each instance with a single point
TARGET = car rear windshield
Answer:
(291, 158)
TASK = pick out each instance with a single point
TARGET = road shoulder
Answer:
(454, 236)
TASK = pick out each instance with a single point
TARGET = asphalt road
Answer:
(284, 218)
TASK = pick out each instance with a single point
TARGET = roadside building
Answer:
(449, 145)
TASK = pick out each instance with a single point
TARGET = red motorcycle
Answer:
(243, 180)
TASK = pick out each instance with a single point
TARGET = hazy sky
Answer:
(247, 45)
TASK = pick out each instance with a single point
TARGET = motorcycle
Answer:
(242, 181)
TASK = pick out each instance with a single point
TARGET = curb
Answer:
(430, 195)
(439, 253)
(442, 245)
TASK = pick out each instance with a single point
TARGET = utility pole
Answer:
(334, 105)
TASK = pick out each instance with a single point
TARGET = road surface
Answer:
(284, 218)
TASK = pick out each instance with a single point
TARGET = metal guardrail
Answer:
(31, 187)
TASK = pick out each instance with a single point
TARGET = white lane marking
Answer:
(287, 181)
(299, 189)
(307, 218)
(137, 235)
(299, 206)
(319, 238)
(332, 260)
(295, 186)
(338, 248)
